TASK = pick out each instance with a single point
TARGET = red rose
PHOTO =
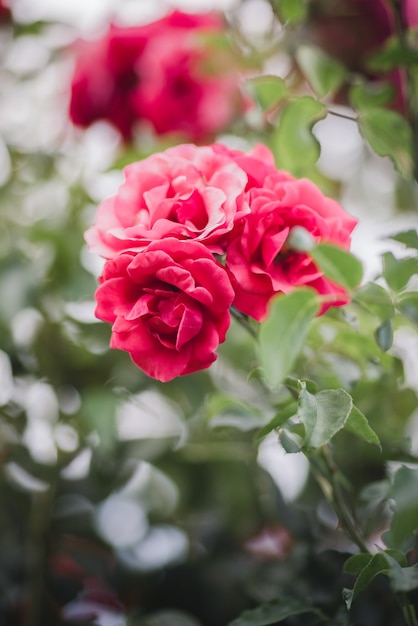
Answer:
(158, 72)
(186, 192)
(169, 306)
(258, 256)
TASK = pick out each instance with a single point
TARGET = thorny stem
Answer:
(331, 488)
(243, 320)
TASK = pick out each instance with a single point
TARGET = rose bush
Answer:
(166, 72)
(169, 306)
(186, 192)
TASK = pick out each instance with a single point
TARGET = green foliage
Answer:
(282, 335)
(389, 135)
(291, 11)
(405, 518)
(272, 613)
(340, 266)
(377, 300)
(324, 74)
(268, 90)
(398, 272)
(294, 146)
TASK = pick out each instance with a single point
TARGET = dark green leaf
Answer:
(338, 265)
(323, 415)
(408, 305)
(283, 333)
(358, 424)
(376, 300)
(324, 73)
(384, 335)
(405, 519)
(375, 566)
(408, 237)
(397, 272)
(272, 613)
(389, 134)
(294, 146)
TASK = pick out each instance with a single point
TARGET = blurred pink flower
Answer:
(187, 192)
(258, 255)
(167, 72)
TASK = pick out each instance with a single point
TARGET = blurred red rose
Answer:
(186, 192)
(166, 72)
(258, 255)
(351, 31)
(169, 306)
(5, 13)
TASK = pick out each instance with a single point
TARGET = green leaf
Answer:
(376, 565)
(278, 420)
(391, 55)
(366, 94)
(367, 567)
(294, 146)
(408, 305)
(272, 612)
(354, 564)
(323, 415)
(389, 134)
(358, 424)
(268, 90)
(292, 11)
(282, 334)
(404, 524)
(291, 442)
(403, 579)
(384, 335)
(338, 265)
(376, 300)
(398, 272)
(324, 74)
(223, 411)
(408, 237)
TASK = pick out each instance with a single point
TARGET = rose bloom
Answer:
(187, 192)
(352, 31)
(165, 72)
(258, 256)
(168, 306)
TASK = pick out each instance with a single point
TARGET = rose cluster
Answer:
(168, 72)
(195, 230)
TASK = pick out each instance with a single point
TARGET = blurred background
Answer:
(130, 502)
